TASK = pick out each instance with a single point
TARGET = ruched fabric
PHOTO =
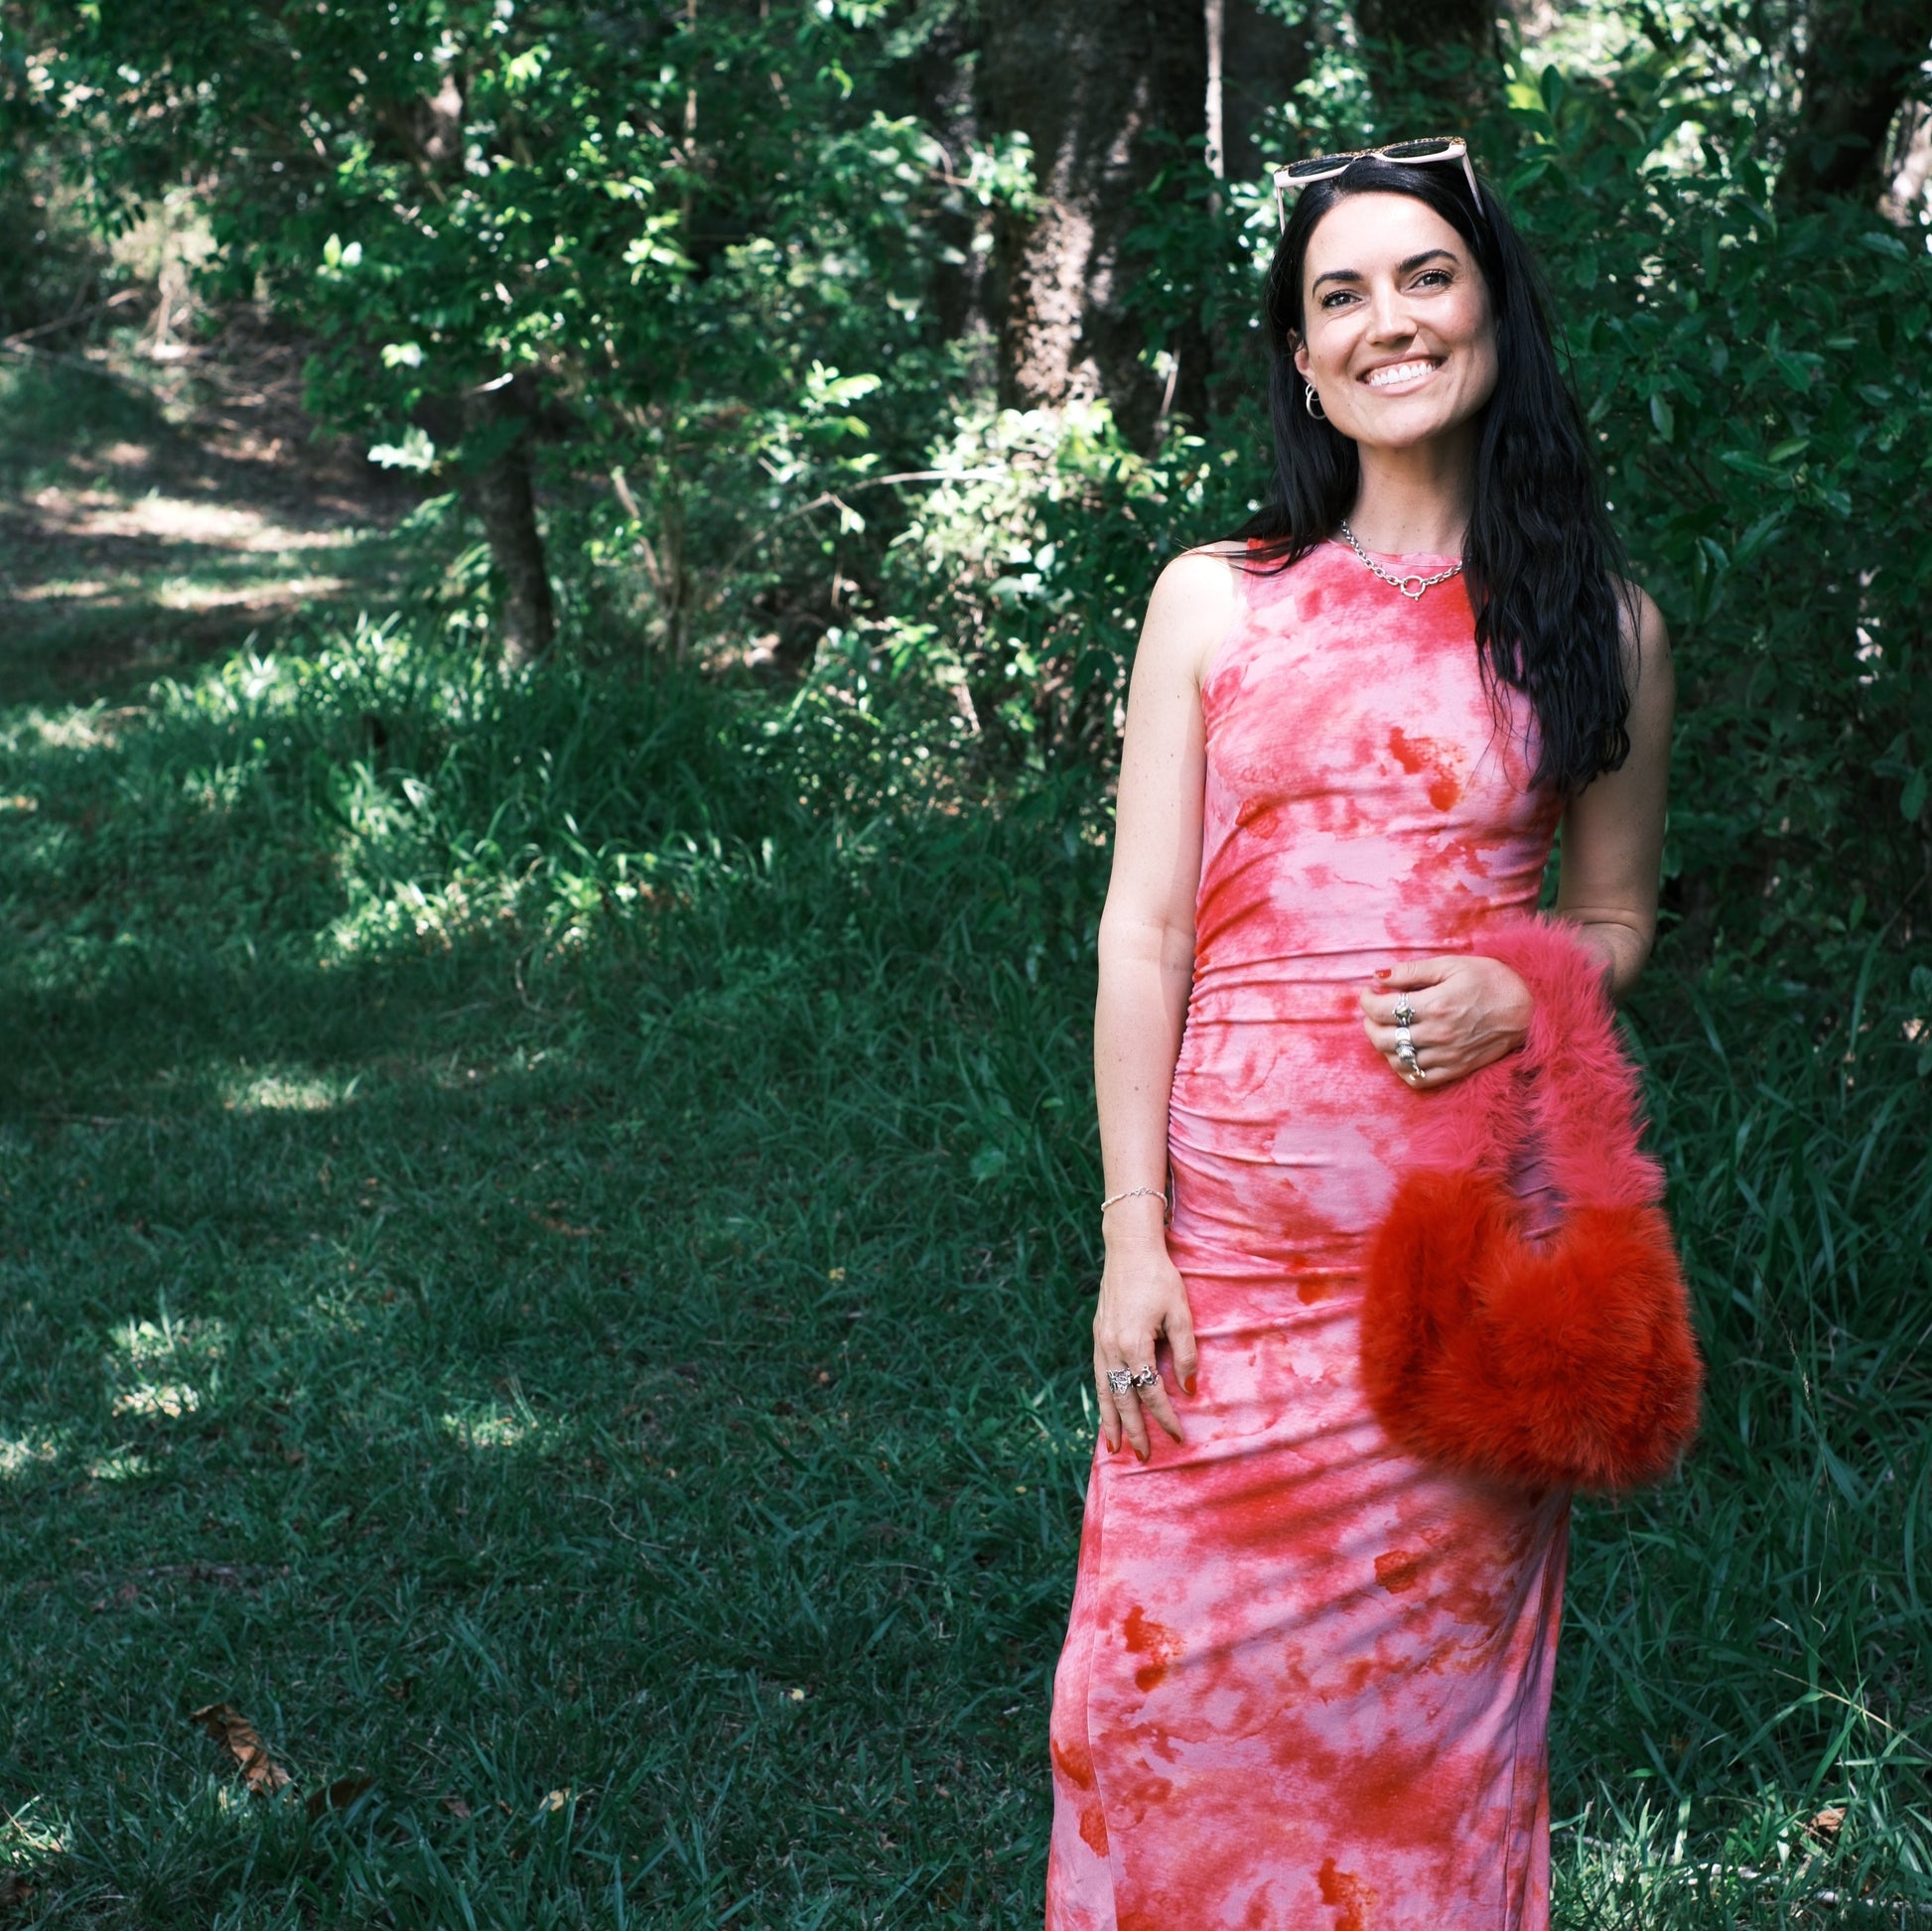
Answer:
(1306, 1679)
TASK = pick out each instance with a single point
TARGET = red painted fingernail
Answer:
(1188, 1384)
(1382, 972)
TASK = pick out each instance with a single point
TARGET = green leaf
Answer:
(1661, 415)
(415, 452)
(1911, 801)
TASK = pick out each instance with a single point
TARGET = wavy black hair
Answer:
(1544, 569)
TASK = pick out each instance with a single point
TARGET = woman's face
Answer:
(1400, 341)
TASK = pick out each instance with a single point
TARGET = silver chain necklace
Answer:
(1402, 584)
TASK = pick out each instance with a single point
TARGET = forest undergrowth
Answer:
(547, 1253)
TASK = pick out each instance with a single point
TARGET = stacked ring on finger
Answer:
(1120, 1380)
(1405, 1062)
(1146, 1375)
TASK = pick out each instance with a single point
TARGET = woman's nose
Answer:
(1389, 314)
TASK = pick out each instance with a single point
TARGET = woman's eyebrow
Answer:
(1405, 267)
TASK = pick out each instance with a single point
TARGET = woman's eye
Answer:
(1432, 277)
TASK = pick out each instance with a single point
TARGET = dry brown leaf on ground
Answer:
(13, 1890)
(338, 1795)
(226, 1725)
(456, 1807)
(1827, 1825)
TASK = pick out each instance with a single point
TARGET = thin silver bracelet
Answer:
(1134, 1192)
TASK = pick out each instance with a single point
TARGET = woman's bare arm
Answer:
(1147, 957)
(1613, 831)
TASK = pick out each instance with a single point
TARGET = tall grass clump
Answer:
(1751, 1648)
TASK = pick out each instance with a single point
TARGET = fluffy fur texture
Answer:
(1565, 1359)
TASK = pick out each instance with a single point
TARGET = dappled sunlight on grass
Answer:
(38, 1451)
(168, 1341)
(124, 1465)
(172, 1399)
(29, 1835)
(495, 1425)
(248, 1090)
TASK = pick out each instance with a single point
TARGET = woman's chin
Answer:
(1394, 426)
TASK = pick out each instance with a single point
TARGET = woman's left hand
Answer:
(1467, 1012)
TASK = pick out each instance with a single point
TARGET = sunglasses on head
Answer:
(1413, 154)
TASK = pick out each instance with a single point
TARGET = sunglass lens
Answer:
(1316, 164)
(1417, 150)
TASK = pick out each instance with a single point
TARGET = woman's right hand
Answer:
(1141, 1300)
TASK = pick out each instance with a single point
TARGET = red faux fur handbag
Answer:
(1561, 1360)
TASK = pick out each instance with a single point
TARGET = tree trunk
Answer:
(1863, 62)
(496, 431)
(937, 87)
(1087, 85)
(1215, 20)
(1262, 60)
(1456, 66)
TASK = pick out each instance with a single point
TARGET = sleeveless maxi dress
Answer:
(1307, 1678)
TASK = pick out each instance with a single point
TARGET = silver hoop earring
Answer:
(1313, 403)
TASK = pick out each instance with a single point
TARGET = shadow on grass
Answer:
(562, 1377)
(144, 532)
(530, 1436)
(546, 1237)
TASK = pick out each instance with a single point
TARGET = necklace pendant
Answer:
(1414, 596)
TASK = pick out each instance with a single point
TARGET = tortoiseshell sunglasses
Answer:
(1323, 167)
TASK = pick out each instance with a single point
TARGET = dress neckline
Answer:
(1395, 556)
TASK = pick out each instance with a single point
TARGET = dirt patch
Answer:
(152, 515)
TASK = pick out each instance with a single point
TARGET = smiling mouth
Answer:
(1394, 374)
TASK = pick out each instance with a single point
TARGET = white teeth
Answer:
(1379, 378)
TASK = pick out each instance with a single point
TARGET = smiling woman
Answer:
(1405, 350)
(1308, 1673)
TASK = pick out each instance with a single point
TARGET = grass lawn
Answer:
(547, 1235)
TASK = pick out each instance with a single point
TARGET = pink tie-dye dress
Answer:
(1307, 1680)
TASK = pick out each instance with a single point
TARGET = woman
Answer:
(1308, 1677)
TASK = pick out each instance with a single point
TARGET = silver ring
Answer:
(1405, 1013)
(1120, 1381)
(1146, 1375)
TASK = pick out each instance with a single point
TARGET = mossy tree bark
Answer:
(1102, 94)
(1861, 62)
(496, 436)
(1444, 61)
(1090, 87)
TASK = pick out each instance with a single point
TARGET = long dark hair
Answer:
(1544, 569)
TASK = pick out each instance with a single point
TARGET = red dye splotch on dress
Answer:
(1308, 1677)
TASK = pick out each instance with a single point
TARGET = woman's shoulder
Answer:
(1196, 597)
(1206, 569)
(1645, 634)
